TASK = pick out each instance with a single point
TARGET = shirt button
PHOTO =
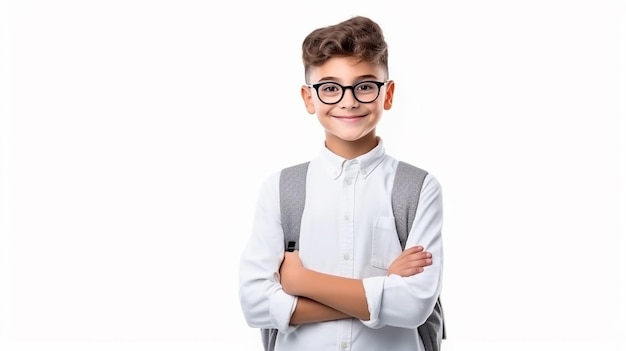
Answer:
(346, 256)
(349, 181)
(344, 345)
(346, 217)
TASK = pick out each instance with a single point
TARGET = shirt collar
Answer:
(336, 165)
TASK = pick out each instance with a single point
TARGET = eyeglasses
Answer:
(364, 92)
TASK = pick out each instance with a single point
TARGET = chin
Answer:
(350, 138)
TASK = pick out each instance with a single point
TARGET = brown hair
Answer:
(358, 37)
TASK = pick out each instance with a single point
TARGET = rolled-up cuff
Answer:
(373, 294)
(282, 306)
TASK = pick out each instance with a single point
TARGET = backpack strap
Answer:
(292, 195)
(268, 337)
(405, 196)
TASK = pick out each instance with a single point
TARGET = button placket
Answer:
(347, 233)
(346, 261)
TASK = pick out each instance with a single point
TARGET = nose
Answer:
(348, 100)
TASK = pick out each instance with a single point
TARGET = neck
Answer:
(352, 149)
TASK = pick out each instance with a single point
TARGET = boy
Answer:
(349, 286)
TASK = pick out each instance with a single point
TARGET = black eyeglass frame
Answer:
(345, 87)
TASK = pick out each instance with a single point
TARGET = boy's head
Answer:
(347, 83)
(358, 37)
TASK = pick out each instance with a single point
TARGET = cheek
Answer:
(321, 109)
(379, 108)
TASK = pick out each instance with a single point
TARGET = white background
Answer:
(134, 136)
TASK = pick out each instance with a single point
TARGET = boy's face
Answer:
(348, 120)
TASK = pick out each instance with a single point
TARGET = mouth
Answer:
(349, 118)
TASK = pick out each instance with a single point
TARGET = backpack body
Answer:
(405, 194)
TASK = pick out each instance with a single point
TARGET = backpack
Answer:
(405, 194)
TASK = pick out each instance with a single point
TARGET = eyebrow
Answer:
(359, 78)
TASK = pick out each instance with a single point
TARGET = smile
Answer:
(349, 118)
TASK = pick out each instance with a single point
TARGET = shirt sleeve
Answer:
(263, 301)
(408, 301)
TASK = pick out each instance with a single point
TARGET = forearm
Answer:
(345, 295)
(310, 311)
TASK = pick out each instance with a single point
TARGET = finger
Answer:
(417, 264)
(420, 255)
(414, 249)
(409, 257)
(411, 251)
(422, 263)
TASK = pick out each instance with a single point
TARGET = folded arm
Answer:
(407, 296)
(324, 297)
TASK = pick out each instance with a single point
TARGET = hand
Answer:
(290, 271)
(410, 262)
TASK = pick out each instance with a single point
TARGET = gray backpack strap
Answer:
(433, 331)
(292, 191)
(405, 196)
(268, 336)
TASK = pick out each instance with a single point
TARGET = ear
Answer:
(389, 94)
(305, 92)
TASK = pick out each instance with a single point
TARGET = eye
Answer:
(366, 87)
(329, 88)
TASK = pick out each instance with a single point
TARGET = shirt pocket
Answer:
(385, 242)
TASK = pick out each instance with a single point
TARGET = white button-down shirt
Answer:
(348, 230)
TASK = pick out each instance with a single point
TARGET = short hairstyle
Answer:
(358, 37)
